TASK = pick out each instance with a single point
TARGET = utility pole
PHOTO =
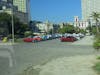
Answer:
(12, 23)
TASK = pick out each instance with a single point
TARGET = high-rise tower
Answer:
(89, 6)
(21, 8)
(21, 4)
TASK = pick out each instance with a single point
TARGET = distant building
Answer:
(79, 23)
(61, 25)
(44, 27)
(40, 27)
(55, 28)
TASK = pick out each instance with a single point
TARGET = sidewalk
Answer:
(77, 65)
(87, 40)
(7, 43)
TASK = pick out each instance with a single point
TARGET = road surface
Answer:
(27, 54)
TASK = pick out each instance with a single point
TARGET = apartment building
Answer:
(20, 8)
(89, 6)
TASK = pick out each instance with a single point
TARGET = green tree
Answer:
(28, 33)
(77, 29)
(62, 30)
(5, 21)
(96, 17)
(94, 30)
(19, 27)
(70, 29)
(83, 31)
(67, 29)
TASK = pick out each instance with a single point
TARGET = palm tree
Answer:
(96, 17)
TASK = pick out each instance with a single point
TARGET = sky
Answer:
(55, 10)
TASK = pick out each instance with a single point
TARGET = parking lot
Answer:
(38, 53)
(26, 54)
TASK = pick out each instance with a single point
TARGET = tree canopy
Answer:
(67, 29)
(96, 17)
(5, 22)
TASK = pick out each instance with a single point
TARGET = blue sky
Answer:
(55, 10)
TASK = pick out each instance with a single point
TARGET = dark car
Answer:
(68, 39)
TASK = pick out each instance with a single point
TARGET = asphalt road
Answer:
(6, 59)
(27, 54)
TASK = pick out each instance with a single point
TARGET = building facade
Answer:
(80, 24)
(6, 6)
(21, 4)
(44, 27)
(89, 6)
(20, 9)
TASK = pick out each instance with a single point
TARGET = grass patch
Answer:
(19, 40)
(98, 57)
(96, 67)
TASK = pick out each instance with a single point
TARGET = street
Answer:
(49, 37)
(22, 55)
(7, 60)
(27, 54)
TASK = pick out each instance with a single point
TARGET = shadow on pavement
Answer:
(7, 60)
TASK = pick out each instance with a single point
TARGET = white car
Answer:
(77, 36)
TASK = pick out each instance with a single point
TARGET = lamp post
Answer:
(12, 22)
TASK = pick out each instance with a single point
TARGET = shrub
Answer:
(27, 33)
(19, 40)
(96, 43)
(96, 67)
(98, 57)
(83, 31)
(9, 36)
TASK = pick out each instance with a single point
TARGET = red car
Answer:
(34, 39)
(68, 39)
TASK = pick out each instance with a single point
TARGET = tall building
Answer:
(21, 4)
(21, 8)
(6, 6)
(89, 6)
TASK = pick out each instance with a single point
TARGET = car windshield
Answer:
(49, 37)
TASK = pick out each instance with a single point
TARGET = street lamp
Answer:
(12, 27)
(12, 22)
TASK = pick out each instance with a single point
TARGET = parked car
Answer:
(37, 39)
(49, 37)
(68, 39)
(77, 36)
(57, 35)
(32, 39)
(60, 35)
(44, 37)
(81, 35)
(53, 36)
(27, 39)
